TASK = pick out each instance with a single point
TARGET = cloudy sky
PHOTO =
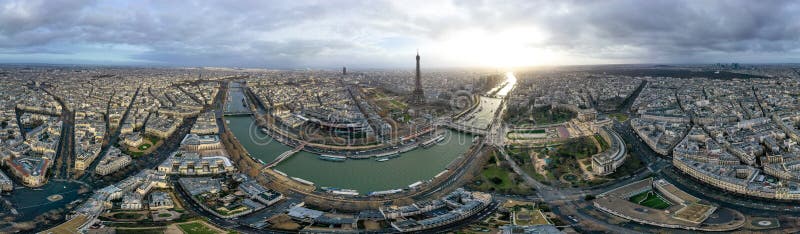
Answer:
(385, 34)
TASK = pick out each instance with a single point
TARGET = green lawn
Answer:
(398, 104)
(495, 178)
(521, 156)
(144, 146)
(650, 199)
(537, 116)
(127, 215)
(545, 115)
(136, 154)
(521, 134)
(156, 230)
(529, 131)
(523, 159)
(578, 148)
(152, 139)
(563, 159)
(639, 197)
(196, 228)
(656, 203)
(603, 143)
(619, 117)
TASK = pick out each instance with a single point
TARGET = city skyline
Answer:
(449, 116)
(382, 34)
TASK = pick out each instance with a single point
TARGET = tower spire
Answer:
(417, 96)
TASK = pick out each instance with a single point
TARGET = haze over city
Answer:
(378, 34)
(502, 117)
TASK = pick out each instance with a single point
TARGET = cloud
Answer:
(291, 34)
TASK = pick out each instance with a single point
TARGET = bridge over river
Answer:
(285, 155)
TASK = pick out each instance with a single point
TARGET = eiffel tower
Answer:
(417, 96)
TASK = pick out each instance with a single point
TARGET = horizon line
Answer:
(380, 67)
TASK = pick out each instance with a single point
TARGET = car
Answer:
(572, 218)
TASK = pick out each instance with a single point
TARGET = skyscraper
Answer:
(344, 71)
(417, 96)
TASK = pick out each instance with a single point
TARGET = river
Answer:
(505, 87)
(235, 98)
(510, 82)
(364, 175)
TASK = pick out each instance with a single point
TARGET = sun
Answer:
(508, 48)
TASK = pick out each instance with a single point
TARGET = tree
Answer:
(496, 180)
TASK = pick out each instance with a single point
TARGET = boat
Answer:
(386, 192)
(440, 173)
(332, 158)
(264, 130)
(279, 172)
(338, 191)
(345, 192)
(306, 182)
(382, 159)
(432, 141)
